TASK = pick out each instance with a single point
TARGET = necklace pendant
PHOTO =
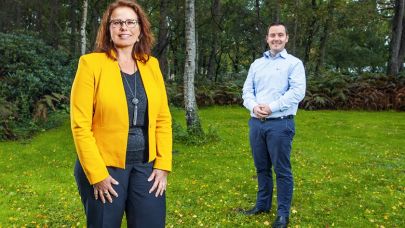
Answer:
(135, 116)
(135, 101)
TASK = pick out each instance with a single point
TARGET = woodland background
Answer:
(353, 51)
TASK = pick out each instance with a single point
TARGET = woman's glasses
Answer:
(130, 23)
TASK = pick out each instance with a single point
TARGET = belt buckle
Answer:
(263, 119)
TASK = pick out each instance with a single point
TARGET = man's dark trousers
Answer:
(271, 141)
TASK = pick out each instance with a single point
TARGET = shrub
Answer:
(207, 94)
(399, 100)
(331, 90)
(372, 92)
(326, 92)
(180, 135)
(31, 74)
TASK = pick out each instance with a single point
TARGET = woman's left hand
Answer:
(160, 181)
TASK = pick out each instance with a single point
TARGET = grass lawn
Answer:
(349, 170)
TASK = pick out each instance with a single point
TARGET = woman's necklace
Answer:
(134, 101)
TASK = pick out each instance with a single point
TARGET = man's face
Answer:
(277, 38)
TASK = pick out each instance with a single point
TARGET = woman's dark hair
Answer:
(142, 48)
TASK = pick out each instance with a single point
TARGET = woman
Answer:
(121, 124)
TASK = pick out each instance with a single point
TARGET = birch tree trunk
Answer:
(192, 119)
(395, 44)
(83, 28)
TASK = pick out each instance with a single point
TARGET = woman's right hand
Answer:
(104, 189)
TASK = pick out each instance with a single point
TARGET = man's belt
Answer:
(275, 118)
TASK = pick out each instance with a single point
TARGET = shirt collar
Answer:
(282, 54)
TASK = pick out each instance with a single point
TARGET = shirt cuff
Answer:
(251, 106)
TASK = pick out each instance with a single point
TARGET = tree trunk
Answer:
(295, 35)
(216, 17)
(260, 45)
(93, 20)
(170, 75)
(218, 63)
(276, 15)
(192, 119)
(74, 37)
(257, 7)
(395, 44)
(175, 61)
(163, 38)
(18, 15)
(323, 39)
(311, 32)
(83, 28)
(37, 19)
(235, 61)
(197, 53)
(52, 23)
(401, 54)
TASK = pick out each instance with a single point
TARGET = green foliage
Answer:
(365, 92)
(181, 135)
(346, 165)
(175, 93)
(331, 90)
(230, 33)
(48, 102)
(33, 77)
(8, 112)
(207, 93)
(399, 99)
(324, 92)
(358, 43)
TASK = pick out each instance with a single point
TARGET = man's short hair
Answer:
(278, 23)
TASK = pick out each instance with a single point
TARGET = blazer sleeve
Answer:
(81, 116)
(163, 126)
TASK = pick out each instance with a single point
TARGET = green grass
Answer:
(349, 170)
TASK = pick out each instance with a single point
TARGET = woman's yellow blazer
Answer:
(99, 115)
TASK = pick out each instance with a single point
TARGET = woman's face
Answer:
(124, 27)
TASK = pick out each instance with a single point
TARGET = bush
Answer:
(372, 92)
(34, 79)
(180, 135)
(331, 90)
(399, 100)
(326, 92)
(207, 94)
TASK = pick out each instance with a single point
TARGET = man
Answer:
(274, 86)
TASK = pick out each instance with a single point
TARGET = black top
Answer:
(137, 135)
(129, 80)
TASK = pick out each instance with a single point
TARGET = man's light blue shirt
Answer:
(278, 81)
